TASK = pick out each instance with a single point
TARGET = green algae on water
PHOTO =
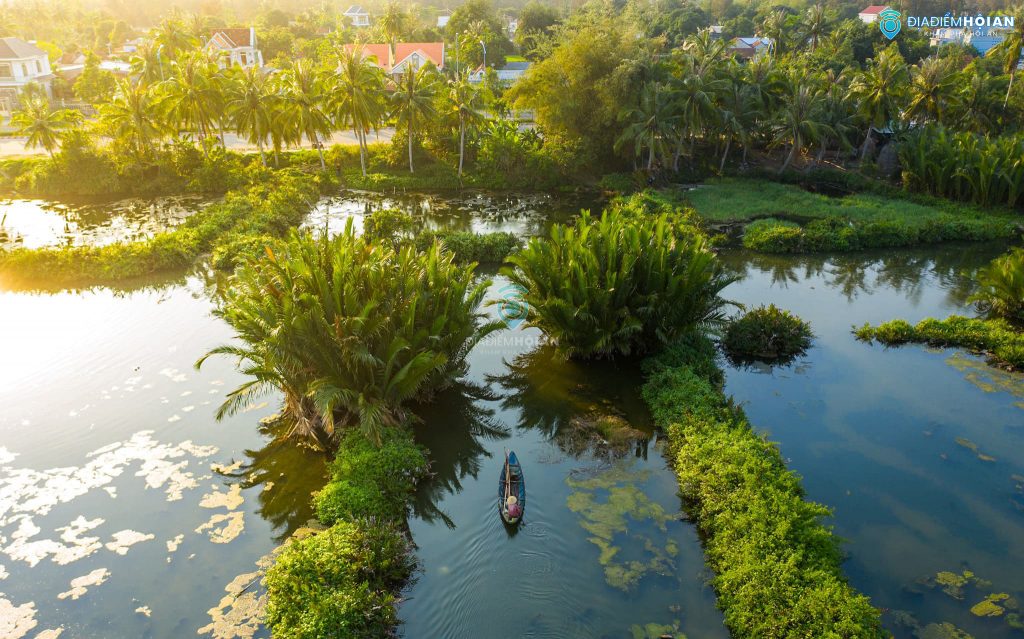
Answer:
(656, 631)
(989, 606)
(614, 509)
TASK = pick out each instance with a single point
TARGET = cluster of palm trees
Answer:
(188, 94)
(702, 94)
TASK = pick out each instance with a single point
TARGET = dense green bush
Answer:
(349, 330)
(961, 165)
(483, 248)
(371, 481)
(777, 567)
(340, 583)
(996, 338)
(273, 203)
(621, 284)
(1001, 287)
(767, 333)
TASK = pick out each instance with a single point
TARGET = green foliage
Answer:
(998, 339)
(370, 481)
(964, 166)
(340, 583)
(466, 246)
(269, 206)
(621, 284)
(767, 333)
(777, 567)
(1001, 287)
(350, 331)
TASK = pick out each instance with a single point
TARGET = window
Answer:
(39, 66)
(24, 70)
(5, 71)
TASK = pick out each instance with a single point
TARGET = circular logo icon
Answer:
(889, 22)
(512, 305)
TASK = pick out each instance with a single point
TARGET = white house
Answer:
(20, 64)
(507, 74)
(413, 55)
(750, 48)
(359, 16)
(235, 47)
(870, 14)
(442, 20)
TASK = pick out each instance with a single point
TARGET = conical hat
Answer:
(511, 500)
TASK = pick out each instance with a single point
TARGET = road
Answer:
(13, 147)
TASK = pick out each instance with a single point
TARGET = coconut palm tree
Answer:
(190, 97)
(1010, 49)
(737, 109)
(815, 26)
(776, 28)
(464, 104)
(933, 87)
(694, 97)
(42, 124)
(174, 37)
(978, 103)
(877, 89)
(358, 97)
(801, 117)
(133, 116)
(413, 99)
(304, 99)
(392, 23)
(250, 103)
(146, 63)
(650, 125)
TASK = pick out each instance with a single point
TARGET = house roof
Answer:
(749, 43)
(356, 10)
(16, 49)
(433, 51)
(874, 9)
(381, 52)
(235, 38)
(516, 66)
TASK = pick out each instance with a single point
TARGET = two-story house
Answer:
(358, 16)
(21, 63)
(235, 47)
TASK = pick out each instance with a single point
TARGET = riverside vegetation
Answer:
(1000, 334)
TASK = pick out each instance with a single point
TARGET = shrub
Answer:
(777, 568)
(1001, 287)
(370, 481)
(773, 236)
(998, 339)
(619, 285)
(767, 333)
(350, 331)
(466, 246)
(389, 225)
(340, 583)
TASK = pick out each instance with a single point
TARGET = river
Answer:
(126, 509)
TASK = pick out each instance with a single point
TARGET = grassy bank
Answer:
(346, 580)
(777, 566)
(269, 205)
(997, 339)
(784, 218)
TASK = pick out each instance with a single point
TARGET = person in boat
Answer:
(513, 508)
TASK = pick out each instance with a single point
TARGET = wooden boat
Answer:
(512, 485)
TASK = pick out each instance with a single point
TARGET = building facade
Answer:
(21, 64)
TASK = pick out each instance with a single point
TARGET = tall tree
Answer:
(1010, 49)
(877, 90)
(190, 96)
(815, 26)
(250, 103)
(800, 117)
(357, 100)
(305, 99)
(933, 89)
(412, 101)
(42, 123)
(650, 125)
(464, 104)
(133, 117)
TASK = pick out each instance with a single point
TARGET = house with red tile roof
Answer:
(869, 15)
(236, 46)
(406, 55)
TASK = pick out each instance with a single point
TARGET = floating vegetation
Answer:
(944, 630)
(953, 584)
(241, 612)
(989, 606)
(971, 446)
(230, 500)
(16, 621)
(80, 585)
(172, 544)
(604, 434)
(72, 546)
(656, 631)
(989, 378)
(145, 611)
(224, 528)
(125, 539)
(606, 503)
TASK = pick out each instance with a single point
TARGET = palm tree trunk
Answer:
(728, 143)
(789, 158)
(864, 148)
(821, 153)
(462, 145)
(263, 157)
(408, 133)
(1009, 88)
(362, 156)
(319, 149)
(679, 151)
(650, 158)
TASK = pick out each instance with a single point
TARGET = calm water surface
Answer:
(39, 223)
(920, 451)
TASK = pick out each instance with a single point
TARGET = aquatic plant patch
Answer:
(767, 333)
(777, 566)
(1000, 341)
